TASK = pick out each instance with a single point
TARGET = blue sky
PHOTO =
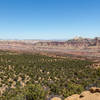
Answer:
(49, 19)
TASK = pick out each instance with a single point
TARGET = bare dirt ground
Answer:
(92, 54)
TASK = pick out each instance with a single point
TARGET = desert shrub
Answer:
(59, 76)
(35, 92)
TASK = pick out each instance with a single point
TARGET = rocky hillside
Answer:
(92, 94)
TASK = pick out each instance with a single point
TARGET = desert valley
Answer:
(50, 70)
(49, 49)
(77, 47)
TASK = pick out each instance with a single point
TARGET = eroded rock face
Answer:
(92, 94)
(94, 90)
(71, 44)
(73, 97)
(79, 43)
(85, 93)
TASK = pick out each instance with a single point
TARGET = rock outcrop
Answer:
(92, 94)
(56, 98)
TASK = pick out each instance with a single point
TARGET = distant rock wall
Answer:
(71, 44)
(97, 41)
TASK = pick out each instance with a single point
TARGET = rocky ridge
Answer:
(79, 43)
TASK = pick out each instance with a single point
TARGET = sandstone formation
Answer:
(97, 41)
(73, 97)
(56, 98)
(92, 94)
(77, 43)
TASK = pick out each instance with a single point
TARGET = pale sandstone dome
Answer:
(92, 94)
(56, 98)
(73, 97)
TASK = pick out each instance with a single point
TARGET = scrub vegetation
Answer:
(38, 77)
